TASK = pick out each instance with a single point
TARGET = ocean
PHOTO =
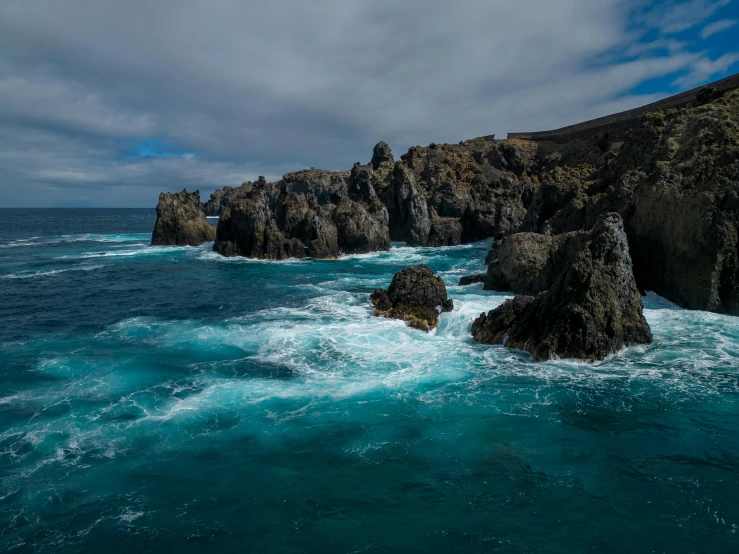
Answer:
(164, 399)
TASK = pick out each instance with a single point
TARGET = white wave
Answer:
(145, 251)
(50, 272)
(88, 237)
(209, 254)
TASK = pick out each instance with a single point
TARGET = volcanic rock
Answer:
(361, 228)
(415, 295)
(674, 181)
(592, 308)
(180, 221)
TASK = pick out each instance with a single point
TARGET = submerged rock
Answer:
(471, 279)
(415, 295)
(180, 221)
(591, 309)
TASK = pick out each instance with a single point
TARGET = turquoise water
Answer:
(168, 399)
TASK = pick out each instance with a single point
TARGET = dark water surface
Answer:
(170, 400)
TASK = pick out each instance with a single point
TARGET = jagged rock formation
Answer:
(407, 208)
(436, 196)
(591, 309)
(180, 221)
(313, 213)
(415, 295)
(683, 220)
(382, 157)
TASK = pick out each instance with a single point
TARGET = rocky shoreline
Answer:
(666, 201)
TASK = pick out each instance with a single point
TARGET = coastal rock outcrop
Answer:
(382, 156)
(415, 295)
(440, 195)
(672, 175)
(315, 213)
(361, 228)
(180, 221)
(218, 201)
(591, 309)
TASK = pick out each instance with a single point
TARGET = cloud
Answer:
(704, 68)
(717, 27)
(223, 92)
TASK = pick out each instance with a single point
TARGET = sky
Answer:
(107, 104)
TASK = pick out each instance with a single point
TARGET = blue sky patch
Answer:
(154, 148)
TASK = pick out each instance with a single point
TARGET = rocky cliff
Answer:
(673, 180)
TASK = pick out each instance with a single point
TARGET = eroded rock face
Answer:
(381, 156)
(683, 219)
(442, 195)
(591, 309)
(415, 295)
(248, 228)
(445, 231)
(180, 221)
(674, 181)
(361, 228)
(218, 201)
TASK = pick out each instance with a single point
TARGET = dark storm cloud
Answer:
(243, 88)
